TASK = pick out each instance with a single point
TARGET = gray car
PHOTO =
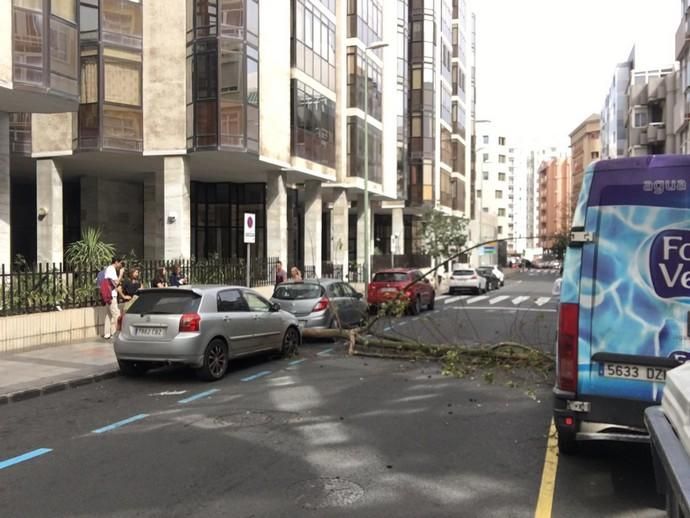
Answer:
(204, 327)
(316, 303)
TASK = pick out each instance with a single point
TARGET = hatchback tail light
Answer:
(474, 277)
(190, 322)
(320, 305)
(119, 323)
(567, 347)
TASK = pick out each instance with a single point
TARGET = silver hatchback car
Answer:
(204, 327)
(316, 303)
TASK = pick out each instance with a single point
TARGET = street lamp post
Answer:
(367, 258)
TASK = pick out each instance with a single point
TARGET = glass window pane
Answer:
(63, 49)
(252, 81)
(66, 9)
(28, 38)
(122, 128)
(122, 83)
(36, 5)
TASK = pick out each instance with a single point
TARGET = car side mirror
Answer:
(275, 307)
(359, 295)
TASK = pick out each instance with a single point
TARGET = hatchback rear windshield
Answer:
(390, 277)
(488, 270)
(463, 272)
(165, 302)
(298, 291)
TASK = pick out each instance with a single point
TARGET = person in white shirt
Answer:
(113, 274)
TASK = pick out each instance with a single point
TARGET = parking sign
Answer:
(249, 227)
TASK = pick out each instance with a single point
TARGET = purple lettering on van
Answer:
(669, 263)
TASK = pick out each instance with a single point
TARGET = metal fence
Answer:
(53, 287)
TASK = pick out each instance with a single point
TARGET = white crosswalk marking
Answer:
(477, 299)
(542, 300)
(441, 297)
(520, 300)
(452, 300)
(496, 300)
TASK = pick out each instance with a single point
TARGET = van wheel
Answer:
(133, 369)
(567, 445)
(215, 361)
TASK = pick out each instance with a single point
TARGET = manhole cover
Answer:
(321, 493)
(243, 418)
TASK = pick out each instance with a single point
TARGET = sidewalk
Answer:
(42, 371)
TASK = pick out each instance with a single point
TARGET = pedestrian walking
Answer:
(295, 274)
(176, 277)
(281, 275)
(109, 291)
(160, 280)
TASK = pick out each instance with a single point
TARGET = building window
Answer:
(501, 159)
(499, 195)
(313, 43)
(485, 139)
(446, 149)
(356, 69)
(501, 212)
(479, 193)
(499, 229)
(313, 125)
(446, 192)
(595, 155)
(501, 177)
(501, 141)
(641, 117)
(485, 175)
(355, 150)
(365, 20)
(485, 157)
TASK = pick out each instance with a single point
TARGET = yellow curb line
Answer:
(548, 478)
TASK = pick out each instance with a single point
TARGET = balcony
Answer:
(43, 49)
(656, 132)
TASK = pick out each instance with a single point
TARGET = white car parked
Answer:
(466, 279)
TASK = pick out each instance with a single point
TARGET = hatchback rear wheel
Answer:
(215, 361)
(290, 342)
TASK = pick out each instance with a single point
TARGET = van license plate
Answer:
(633, 372)
(150, 331)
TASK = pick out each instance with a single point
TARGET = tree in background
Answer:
(442, 235)
(560, 244)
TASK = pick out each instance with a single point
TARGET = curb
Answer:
(51, 388)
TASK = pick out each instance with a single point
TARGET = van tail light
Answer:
(119, 323)
(320, 305)
(567, 347)
(190, 322)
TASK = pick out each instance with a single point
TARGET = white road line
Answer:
(507, 309)
(519, 300)
(477, 299)
(496, 300)
(442, 297)
(542, 300)
(452, 300)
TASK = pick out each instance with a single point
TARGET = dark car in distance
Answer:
(492, 282)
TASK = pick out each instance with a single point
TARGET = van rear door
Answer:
(635, 278)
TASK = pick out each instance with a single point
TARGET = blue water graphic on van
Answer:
(623, 308)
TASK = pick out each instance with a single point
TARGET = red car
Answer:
(387, 284)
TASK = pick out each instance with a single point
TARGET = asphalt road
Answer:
(321, 435)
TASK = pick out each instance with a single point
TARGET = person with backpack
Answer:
(108, 290)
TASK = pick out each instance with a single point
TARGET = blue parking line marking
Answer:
(24, 457)
(297, 362)
(113, 426)
(325, 351)
(198, 396)
(255, 376)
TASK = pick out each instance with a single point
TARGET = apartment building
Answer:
(193, 112)
(39, 72)
(534, 160)
(681, 128)
(613, 114)
(554, 199)
(585, 148)
(496, 163)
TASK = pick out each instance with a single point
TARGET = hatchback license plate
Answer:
(388, 290)
(150, 331)
(633, 372)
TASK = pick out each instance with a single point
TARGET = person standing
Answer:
(160, 280)
(295, 274)
(110, 284)
(281, 275)
(129, 288)
(176, 277)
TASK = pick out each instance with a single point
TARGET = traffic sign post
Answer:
(249, 239)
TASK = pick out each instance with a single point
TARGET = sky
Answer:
(543, 66)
